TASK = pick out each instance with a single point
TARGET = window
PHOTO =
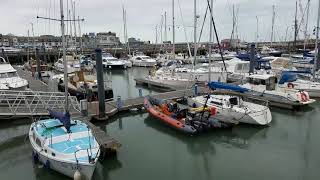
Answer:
(138, 58)
(3, 75)
(12, 74)
(38, 142)
(217, 103)
(233, 101)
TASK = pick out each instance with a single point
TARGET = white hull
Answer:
(143, 64)
(66, 168)
(251, 113)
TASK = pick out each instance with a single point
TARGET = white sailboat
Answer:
(61, 144)
(233, 108)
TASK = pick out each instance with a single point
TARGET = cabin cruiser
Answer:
(73, 64)
(289, 80)
(266, 84)
(233, 108)
(143, 61)
(9, 79)
(110, 62)
(270, 51)
(86, 63)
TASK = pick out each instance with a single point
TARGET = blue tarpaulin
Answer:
(288, 76)
(232, 87)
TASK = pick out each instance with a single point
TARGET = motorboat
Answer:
(86, 63)
(110, 62)
(233, 108)
(289, 80)
(143, 61)
(266, 84)
(64, 145)
(184, 119)
(9, 78)
(83, 85)
(270, 51)
(73, 64)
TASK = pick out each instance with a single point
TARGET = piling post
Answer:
(38, 64)
(140, 92)
(252, 60)
(101, 94)
(119, 102)
(196, 90)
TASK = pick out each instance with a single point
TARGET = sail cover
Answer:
(232, 87)
(64, 118)
(288, 77)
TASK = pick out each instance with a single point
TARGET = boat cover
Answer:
(232, 87)
(64, 118)
(288, 76)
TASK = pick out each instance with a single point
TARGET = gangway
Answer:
(34, 103)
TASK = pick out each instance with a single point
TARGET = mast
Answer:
(28, 58)
(173, 32)
(74, 23)
(316, 54)
(33, 42)
(272, 26)
(80, 35)
(257, 35)
(165, 31)
(306, 27)
(195, 34)
(124, 28)
(233, 26)
(210, 41)
(295, 26)
(64, 58)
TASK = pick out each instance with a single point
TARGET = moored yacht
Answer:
(233, 108)
(110, 62)
(143, 61)
(9, 79)
(73, 64)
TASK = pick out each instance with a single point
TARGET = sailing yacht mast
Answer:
(257, 35)
(173, 32)
(295, 26)
(316, 48)
(210, 43)
(64, 58)
(272, 27)
(195, 34)
(306, 27)
(74, 22)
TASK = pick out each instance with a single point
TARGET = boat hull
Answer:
(65, 168)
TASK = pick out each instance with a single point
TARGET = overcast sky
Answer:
(144, 15)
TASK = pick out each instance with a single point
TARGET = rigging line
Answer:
(50, 1)
(216, 34)
(184, 29)
(204, 21)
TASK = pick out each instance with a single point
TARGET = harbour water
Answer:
(287, 149)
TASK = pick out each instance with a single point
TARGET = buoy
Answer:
(77, 175)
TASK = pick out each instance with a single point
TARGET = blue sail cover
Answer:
(232, 87)
(64, 118)
(288, 76)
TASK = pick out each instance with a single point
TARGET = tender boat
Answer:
(183, 119)
(143, 61)
(9, 79)
(233, 108)
(110, 62)
(64, 145)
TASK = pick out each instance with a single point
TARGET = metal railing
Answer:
(34, 102)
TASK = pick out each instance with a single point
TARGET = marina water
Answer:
(287, 149)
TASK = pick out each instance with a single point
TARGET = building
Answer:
(107, 39)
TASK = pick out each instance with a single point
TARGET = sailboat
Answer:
(62, 144)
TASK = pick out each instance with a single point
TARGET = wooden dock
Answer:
(118, 105)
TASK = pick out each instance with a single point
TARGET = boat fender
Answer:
(213, 111)
(304, 97)
(47, 164)
(35, 157)
(290, 85)
(77, 175)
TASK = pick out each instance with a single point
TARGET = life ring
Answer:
(304, 97)
(290, 85)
